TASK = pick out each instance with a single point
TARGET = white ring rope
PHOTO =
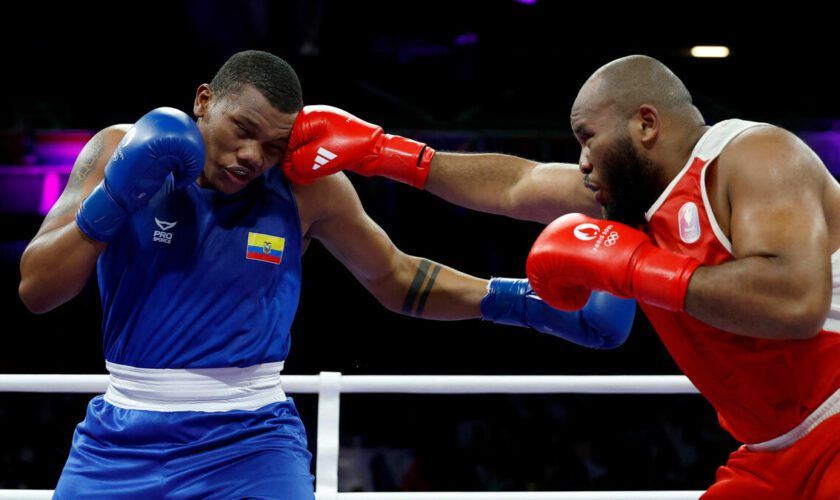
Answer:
(331, 385)
(526, 495)
(407, 384)
(449, 495)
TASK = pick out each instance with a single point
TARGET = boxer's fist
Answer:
(576, 254)
(604, 322)
(325, 140)
(164, 141)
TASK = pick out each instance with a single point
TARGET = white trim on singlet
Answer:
(723, 134)
(832, 322)
(718, 232)
(664, 196)
(708, 148)
(194, 389)
(830, 407)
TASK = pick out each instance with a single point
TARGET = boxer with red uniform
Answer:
(727, 236)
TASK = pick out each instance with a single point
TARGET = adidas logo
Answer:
(324, 157)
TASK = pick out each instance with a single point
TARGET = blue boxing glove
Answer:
(603, 323)
(164, 141)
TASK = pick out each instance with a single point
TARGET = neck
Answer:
(677, 156)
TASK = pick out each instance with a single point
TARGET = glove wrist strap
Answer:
(405, 160)
(662, 279)
(100, 216)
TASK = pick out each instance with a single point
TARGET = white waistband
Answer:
(194, 389)
(830, 407)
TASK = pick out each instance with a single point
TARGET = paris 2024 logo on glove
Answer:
(589, 232)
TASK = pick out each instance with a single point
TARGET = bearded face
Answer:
(629, 183)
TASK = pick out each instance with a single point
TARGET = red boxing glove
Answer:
(576, 254)
(325, 140)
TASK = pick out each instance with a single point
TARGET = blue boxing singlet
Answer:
(201, 279)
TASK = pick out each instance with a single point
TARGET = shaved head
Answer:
(631, 81)
(635, 121)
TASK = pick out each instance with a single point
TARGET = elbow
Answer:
(801, 330)
(392, 287)
(28, 287)
(804, 320)
(383, 290)
(33, 302)
(806, 328)
(39, 296)
(392, 305)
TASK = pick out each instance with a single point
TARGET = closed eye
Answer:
(581, 133)
(243, 131)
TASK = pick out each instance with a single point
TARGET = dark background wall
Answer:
(490, 76)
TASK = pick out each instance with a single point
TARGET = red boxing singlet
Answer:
(762, 389)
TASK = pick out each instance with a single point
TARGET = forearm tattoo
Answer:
(421, 285)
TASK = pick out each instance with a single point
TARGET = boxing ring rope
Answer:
(330, 385)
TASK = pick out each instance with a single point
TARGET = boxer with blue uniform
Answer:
(198, 241)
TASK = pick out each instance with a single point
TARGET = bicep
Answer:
(353, 237)
(775, 195)
(777, 224)
(779, 284)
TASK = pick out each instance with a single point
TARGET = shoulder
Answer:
(767, 144)
(768, 154)
(113, 135)
(90, 164)
(105, 142)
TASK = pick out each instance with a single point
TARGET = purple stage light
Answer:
(50, 191)
(31, 190)
(59, 147)
(35, 188)
(466, 39)
(827, 146)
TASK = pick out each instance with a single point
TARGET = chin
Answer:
(218, 183)
(228, 189)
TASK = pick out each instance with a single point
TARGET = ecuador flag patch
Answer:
(265, 247)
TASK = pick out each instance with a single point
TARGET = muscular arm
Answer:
(511, 186)
(58, 261)
(780, 285)
(402, 283)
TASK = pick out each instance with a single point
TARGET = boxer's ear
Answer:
(648, 124)
(203, 97)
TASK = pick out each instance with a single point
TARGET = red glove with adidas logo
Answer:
(325, 140)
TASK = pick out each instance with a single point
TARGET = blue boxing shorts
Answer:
(120, 451)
